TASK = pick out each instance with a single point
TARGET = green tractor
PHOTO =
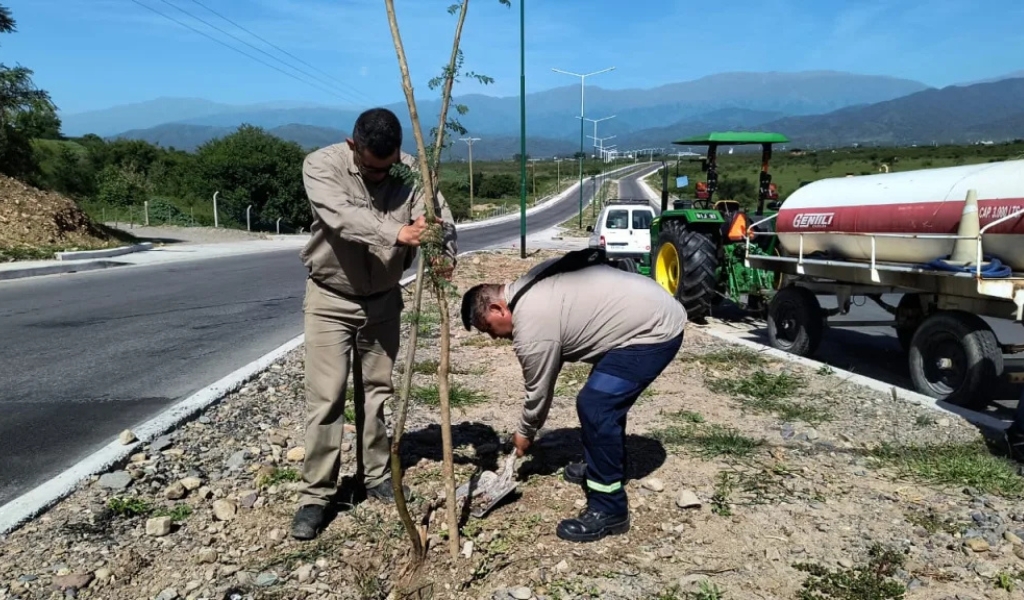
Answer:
(698, 247)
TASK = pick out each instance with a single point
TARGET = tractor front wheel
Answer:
(684, 265)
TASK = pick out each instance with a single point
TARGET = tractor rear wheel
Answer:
(684, 265)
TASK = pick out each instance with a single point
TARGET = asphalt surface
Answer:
(870, 351)
(87, 355)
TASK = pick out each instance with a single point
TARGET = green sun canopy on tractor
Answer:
(734, 138)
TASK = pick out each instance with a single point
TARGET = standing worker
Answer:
(367, 224)
(577, 308)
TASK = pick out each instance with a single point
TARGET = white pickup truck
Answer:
(623, 229)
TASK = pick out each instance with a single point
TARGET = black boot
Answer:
(575, 473)
(592, 525)
(308, 521)
(385, 493)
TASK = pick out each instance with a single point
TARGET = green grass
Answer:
(129, 506)
(767, 392)
(458, 395)
(872, 581)
(281, 475)
(178, 513)
(708, 442)
(954, 464)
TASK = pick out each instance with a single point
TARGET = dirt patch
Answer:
(795, 482)
(34, 224)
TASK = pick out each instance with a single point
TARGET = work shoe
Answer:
(308, 521)
(384, 492)
(575, 473)
(592, 525)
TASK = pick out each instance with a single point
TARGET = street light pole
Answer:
(595, 122)
(583, 78)
(469, 142)
(522, 128)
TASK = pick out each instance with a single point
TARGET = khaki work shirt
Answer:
(579, 316)
(354, 248)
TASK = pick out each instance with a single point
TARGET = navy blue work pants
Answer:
(615, 382)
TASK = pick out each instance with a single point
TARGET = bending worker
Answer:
(366, 227)
(576, 308)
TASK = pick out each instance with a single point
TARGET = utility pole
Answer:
(583, 79)
(558, 173)
(522, 128)
(469, 142)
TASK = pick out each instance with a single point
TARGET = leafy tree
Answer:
(122, 186)
(25, 112)
(252, 167)
(72, 174)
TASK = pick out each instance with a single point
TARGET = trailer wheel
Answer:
(795, 321)
(684, 265)
(628, 265)
(955, 357)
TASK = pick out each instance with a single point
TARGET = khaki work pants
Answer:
(333, 325)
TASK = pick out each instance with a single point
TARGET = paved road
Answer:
(87, 355)
(870, 351)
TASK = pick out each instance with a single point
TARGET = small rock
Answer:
(161, 443)
(115, 480)
(277, 535)
(296, 454)
(266, 579)
(175, 491)
(102, 574)
(205, 420)
(207, 556)
(248, 499)
(158, 526)
(126, 437)
(224, 510)
(654, 484)
(521, 593)
(977, 544)
(943, 422)
(845, 563)
(75, 581)
(467, 549)
(303, 573)
(168, 594)
(191, 483)
(1012, 538)
(193, 585)
(687, 499)
(229, 570)
(811, 434)
(562, 566)
(237, 460)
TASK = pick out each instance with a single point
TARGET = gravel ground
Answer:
(748, 478)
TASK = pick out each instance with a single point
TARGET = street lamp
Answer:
(596, 121)
(469, 142)
(583, 79)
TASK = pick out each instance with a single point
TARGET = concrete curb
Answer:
(56, 269)
(90, 254)
(30, 504)
(894, 392)
(536, 209)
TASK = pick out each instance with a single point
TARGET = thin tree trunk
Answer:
(427, 181)
(418, 549)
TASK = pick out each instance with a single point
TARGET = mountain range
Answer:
(815, 108)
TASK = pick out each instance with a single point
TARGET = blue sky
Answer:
(94, 54)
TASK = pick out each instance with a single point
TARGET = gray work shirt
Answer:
(354, 246)
(578, 317)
